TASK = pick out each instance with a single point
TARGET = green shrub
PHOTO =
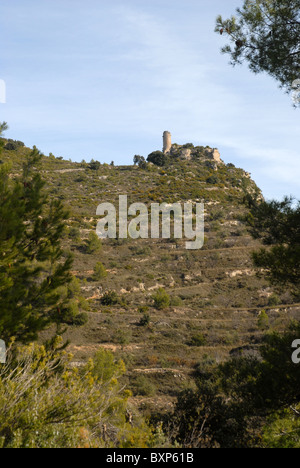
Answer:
(93, 243)
(74, 287)
(145, 320)
(45, 402)
(110, 298)
(143, 386)
(213, 180)
(74, 233)
(137, 158)
(140, 250)
(121, 337)
(73, 316)
(197, 340)
(176, 301)
(263, 320)
(80, 319)
(216, 215)
(94, 165)
(140, 161)
(99, 272)
(13, 145)
(274, 300)
(158, 158)
(161, 299)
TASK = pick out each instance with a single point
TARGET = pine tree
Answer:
(99, 272)
(277, 224)
(265, 34)
(93, 243)
(33, 265)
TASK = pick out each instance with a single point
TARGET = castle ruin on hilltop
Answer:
(186, 153)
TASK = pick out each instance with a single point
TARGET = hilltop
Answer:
(214, 296)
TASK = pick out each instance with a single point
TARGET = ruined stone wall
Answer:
(186, 152)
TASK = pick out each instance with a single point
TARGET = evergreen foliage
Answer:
(278, 225)
(265, 34)
(93, 243)
(158, 158)
(33, 265)
(238, 401)
(99, 271)
(47, 403)
(161, 299)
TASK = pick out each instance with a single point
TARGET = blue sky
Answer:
(103, 79)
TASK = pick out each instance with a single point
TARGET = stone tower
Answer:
(167, 142)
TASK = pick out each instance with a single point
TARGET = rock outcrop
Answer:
(213, 154)
(189, 151)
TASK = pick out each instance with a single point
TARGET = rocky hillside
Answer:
(160, 307)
